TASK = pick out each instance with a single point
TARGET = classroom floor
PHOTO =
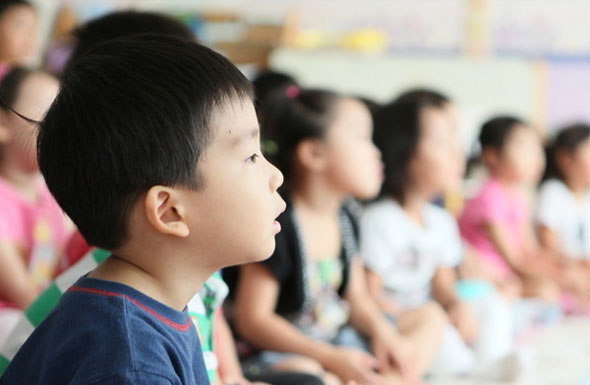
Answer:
(562, 356)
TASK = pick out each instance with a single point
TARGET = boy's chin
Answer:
(259, 256)
(267, 254)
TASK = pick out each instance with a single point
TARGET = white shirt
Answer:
(568, 217)
(405, 254)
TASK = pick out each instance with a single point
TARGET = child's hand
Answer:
(389, 307)
(510, 287)
(463, 319)
(576, 281)
(393, 351)
(352, 365)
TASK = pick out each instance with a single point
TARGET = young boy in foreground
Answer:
(152, 148)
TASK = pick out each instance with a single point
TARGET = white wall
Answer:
(480, 87)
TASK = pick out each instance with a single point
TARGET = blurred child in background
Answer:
(563, 206)
(451, 199)
(563, 210)
(33, 229)
(412, 247)
(18, 33)
(497, 222)
(307, 307)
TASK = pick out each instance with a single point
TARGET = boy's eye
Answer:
(252, 158)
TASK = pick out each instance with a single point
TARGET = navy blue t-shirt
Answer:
(104, 332)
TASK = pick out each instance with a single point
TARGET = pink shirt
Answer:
(38, 229)
(495, 203)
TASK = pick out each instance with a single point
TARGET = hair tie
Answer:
(292, 91)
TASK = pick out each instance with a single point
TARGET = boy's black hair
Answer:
(131, 113)
(125, 24)
(291, 119)
(268, 82)
(568, 139)
(6, 4)
(397, 134)
(10, 85)
(423, 95)
(496, 131)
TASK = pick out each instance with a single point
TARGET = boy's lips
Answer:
(276, 225)
(382, 170)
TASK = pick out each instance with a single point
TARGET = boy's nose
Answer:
(277, 178)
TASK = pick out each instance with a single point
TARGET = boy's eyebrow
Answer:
(252, 134)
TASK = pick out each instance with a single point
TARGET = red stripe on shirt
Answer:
(181, 327)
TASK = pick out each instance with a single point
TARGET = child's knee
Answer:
(436, 314)
(433, 315)
(549, 291)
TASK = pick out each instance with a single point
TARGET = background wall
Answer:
(527, 57)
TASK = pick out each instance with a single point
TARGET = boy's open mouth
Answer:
(276, 225)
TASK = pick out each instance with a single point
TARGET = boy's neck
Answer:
(315, 194)
(172, 283)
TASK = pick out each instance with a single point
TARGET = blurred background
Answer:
(376, 48)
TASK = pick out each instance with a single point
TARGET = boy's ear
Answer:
(165, 211)
(311, 154)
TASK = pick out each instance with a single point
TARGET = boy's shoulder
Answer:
(106, 332)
